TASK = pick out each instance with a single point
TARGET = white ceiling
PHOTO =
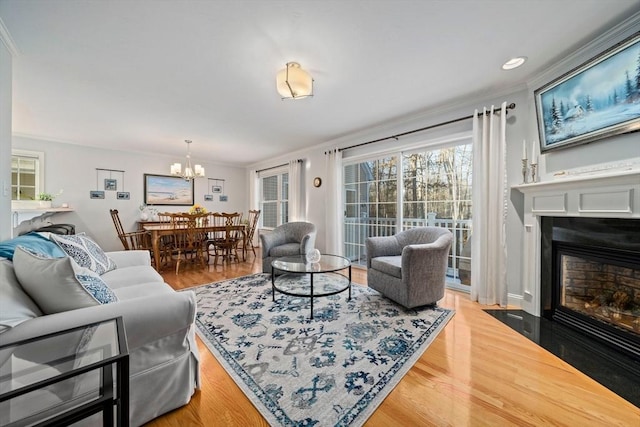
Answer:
(146, 75)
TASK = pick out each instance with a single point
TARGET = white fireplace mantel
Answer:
(614, 194)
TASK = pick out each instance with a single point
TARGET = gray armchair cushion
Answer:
(410, 267)
(292, 238)
(391, 265)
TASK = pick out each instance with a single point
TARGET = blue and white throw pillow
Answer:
(85, 252)
(59, 284)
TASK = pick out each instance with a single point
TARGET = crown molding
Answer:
(601, 43)
(7, 40)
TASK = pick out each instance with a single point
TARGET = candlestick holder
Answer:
(524, 171)
(534, 166)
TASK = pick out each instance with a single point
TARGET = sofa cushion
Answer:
(33, 241)
(85, 252)
(15, 304)
(391, 265)
(59, 284)
(128, 276)
(287, 249)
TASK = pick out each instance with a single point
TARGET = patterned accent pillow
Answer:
(59, 284)
(85, 252)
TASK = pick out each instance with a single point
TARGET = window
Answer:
(27, 174)
(370, 204)
(274, 197)
(422, 187)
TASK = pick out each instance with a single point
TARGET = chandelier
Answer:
(189, 171)
(293, 82)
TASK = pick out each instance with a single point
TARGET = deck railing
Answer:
(356, 230)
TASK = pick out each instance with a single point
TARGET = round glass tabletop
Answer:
(299, 264)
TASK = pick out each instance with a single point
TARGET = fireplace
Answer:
(591, 277)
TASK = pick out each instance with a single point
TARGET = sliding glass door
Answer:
(421, 187)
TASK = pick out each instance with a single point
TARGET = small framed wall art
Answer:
(110, 184)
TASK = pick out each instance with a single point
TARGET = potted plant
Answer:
(45, 199)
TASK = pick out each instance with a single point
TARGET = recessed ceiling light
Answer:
(514, 63)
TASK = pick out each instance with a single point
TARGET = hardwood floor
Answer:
(477, 372)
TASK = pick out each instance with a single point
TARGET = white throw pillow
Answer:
(15, 305)
(85, 252)
(59, 284)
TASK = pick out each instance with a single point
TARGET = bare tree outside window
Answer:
(435, 189)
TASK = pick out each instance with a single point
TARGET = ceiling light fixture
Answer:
(293, 82)
(189, 172)
(514, 63)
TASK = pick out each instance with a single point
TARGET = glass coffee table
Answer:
(296, 277)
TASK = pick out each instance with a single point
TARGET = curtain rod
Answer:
(509, 107)
(277, 166)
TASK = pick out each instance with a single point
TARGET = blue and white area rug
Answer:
(333, 370)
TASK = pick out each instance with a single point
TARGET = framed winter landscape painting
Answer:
(598, 99)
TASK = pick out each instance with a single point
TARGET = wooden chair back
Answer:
(135, 240)
(116, 221)
(225, 240)
(252, 224)
(188, 239)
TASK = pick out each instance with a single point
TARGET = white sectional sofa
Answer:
(159, 324)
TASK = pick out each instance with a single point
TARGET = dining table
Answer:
(159, 229)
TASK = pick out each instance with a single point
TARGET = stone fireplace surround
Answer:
(614, 194)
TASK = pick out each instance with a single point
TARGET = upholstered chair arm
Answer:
(382, 246)
(147, 320)
(269, 240)
(426, 261)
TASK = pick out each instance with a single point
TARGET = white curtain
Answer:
(296, 212)
(488, 243)
(254, 200)
(254, 183)
(333, 202)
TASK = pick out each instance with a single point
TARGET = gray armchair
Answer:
(292, 238)
(410, 267)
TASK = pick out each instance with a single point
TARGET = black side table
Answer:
(66, 376)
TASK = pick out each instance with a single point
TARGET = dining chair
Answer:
(167, 242)
(188, 239)
(252, 223)
(224, 241)
(134, 240)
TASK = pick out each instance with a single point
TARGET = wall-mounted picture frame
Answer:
(122, 195)
(208, 197)
(110, 184)
(167, 190)
(95, 194)
(224, 198)
(596, 100)
(216, 189)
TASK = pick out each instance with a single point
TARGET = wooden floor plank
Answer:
(477, 372)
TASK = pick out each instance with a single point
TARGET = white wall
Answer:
(72, 168)
(5, 141)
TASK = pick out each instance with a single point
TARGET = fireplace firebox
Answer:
(592, 278)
